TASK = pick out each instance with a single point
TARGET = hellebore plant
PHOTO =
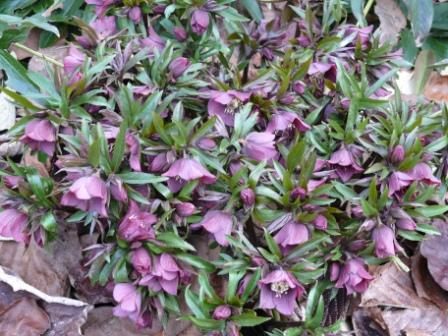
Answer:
(245, 163)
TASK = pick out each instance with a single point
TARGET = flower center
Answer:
(234, 106)
(280, 288)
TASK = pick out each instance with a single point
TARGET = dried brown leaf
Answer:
(436, 88)
(392, 20)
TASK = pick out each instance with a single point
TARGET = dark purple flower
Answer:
(226, 104)
(385, 243)
(292, 234)
(247, 195)
(354, 276)
(88, 193)
(329, 71)
(180, 34)
(222, 312)
(398, 181)
(178, 66)
(136, 224)
(40, 135)
(141, 261)
(13, 224)
(260, 146)
(164, 275)
(283, 120)
(184, 170)
(135, 14)
(73, 60)
(362, 35)
(280, 290)
(199, 21)
(345, 164)
(219, 223)
(185, 209)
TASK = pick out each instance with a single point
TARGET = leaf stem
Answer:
(38, 54)
(367, 7)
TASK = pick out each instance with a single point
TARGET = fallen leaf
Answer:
(434, 249)
(366, 322)
(65, 320)
(392, 20)
(436, 88)
(403, 311)
(40, 65)
(7, 113)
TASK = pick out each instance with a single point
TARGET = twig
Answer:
(38, 54)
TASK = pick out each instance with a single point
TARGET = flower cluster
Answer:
(235, 158)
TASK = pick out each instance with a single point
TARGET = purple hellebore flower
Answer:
(398, 181)
(402, 220)
(141, 261)
(206, 144)
(397, 154)
(117, 189)
(13, 224)
(12, 181)
(164, 275)
(199, 21)
(292, 234)
(88, 193)
(134, 151)
(222, 312)
(320, 222)
(362, 35)
(161, 162)
(129, 304)
(421, 173)
(73, 60)
(226, 104)
(185, 209)
(328, 70)
(100, 5)
(136, 224)
(104, 27)
(135, 14)
(344, 163)
(219, 223)
(354, 276)
(184, 170)
(334, 271)
(247, 195)
(260, 146)
(280, 290)
(385, 243)
(40, 135)
(180, 34)
(153, 41)
(178, 66)
(281, 121)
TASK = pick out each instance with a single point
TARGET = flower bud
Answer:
(141, 261)
(135, 14)
(222, 312)
(397, 154)
(320, 222)
(180, 34)
(199, 21)
(248, 197)
(334, 271)
(178, 66)
(185, 209)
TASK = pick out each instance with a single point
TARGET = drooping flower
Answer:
(184, 170)
(88, 193)
(386, 244)
(344, 164)
(219, 223)
(117, 189)
(222, 312)
(101, 6)
(398, 181)
(103, 26)
(153, 41)
(397, 154)
(226, 104)
(402, 220)
(362, 35)
(40, 135)
(260, 146)
(283, 120)
(329, 71)
(354, 276)
(185, 209)
(320, 222)
(334, 271)
(130, 304)
(135, 14)
(421, 172)
(13, 224)
(292, 234)
(141, 261)
(180, 34)
(280, 290)
(73, 60)
(247, 195)
(178, 66)
(165, 275)
(134, 152)
(199, 21)
(136, 224)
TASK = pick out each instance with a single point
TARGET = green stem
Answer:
(38, 54)
(367, 7)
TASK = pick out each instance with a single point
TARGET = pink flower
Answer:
(282, 121)
(292, 234)
(320, 222)
(362, 35)
(334, 271)
(280, 290)
(180, 34)
(385, 243)
(40, 135)
(153, 41)
(345, 164)
(222, 312)
(136, 224)
(88, 193)
(354, 276)
(328, 70)
(184, 170)
(103, 26)
(185, 209)
(398, 181)
(13, 224)
(248, 196)
(260, 146)
(73, 60)
(117, 189)
(130, 304)
(421, 173)
(135, 14)
(134, 152)
(199, 21)
(178, 66)
(219, 223)
(226, 104)
(141, 261)
(164, 275)
(100, 5)
(397, 154)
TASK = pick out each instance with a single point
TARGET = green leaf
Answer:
(40, 22)
(232, 15)
(196, 261)
(193, 303)
(141, 178)
(251, 285)
(119, 148)
(421, 14)
(429, 229)
(173, 240)
(357, 7)
(48, 221)
(18, 79)
(295, 155)
(249, 319)
(432, 210)
(208, 324)
(368, 209)
(272, 245)
(253, 8)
